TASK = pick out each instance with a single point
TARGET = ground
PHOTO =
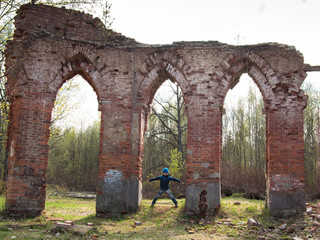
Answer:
(161, 222)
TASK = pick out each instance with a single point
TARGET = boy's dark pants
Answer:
(161, 191)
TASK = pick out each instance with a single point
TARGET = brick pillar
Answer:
(30, 116)
(114, 183)
(285, 161)
(203, 158)
(139, 122)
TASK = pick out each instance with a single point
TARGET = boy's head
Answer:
(165, 171)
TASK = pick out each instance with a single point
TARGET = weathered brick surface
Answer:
(51, 45)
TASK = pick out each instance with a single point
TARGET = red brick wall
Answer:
(28, 155)
(51, 45)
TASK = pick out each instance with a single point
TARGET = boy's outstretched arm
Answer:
(153, 179)
(177, 180)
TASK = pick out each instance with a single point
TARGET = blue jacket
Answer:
(164, 181)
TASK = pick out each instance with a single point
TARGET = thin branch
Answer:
(167, 141)
(164, 106)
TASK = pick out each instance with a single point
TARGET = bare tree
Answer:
(170, 113)
(165, 145)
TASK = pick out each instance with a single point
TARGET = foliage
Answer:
(174, 163)
(2, 186)
(244, 145)
(2, 203)
(312, 141)
(106, 16)
(4, 120)
(243, 150)
(165, 144)
(74, 158)
(63, 104)
(170, 113)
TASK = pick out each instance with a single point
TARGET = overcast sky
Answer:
(292, 22)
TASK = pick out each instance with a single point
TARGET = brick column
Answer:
(285, 160)
(139, 121)
(203, 158)
(30, 116)
(113, 188)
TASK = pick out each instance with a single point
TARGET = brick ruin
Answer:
(52, 45)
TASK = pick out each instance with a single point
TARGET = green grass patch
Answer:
(163, 221)
(247, 207)
(69, 208)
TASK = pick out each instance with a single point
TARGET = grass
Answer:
(69, 208)
(160, 222)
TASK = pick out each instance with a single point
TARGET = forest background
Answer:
(74, 149)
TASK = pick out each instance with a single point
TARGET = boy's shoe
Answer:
(176, 205)
(152, 205)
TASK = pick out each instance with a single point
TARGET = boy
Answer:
(164, 186)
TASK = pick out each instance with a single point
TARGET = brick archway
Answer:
(233, 66)
(157, 68)
(31, 110)
(277, 99)
(125, 75)
(78, 64)
(150, 77)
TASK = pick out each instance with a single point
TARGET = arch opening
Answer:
(74, 141)
(311, 129)
(244, 141)
(165, 138)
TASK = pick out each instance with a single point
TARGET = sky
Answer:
(292, 22)
(237, 22)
